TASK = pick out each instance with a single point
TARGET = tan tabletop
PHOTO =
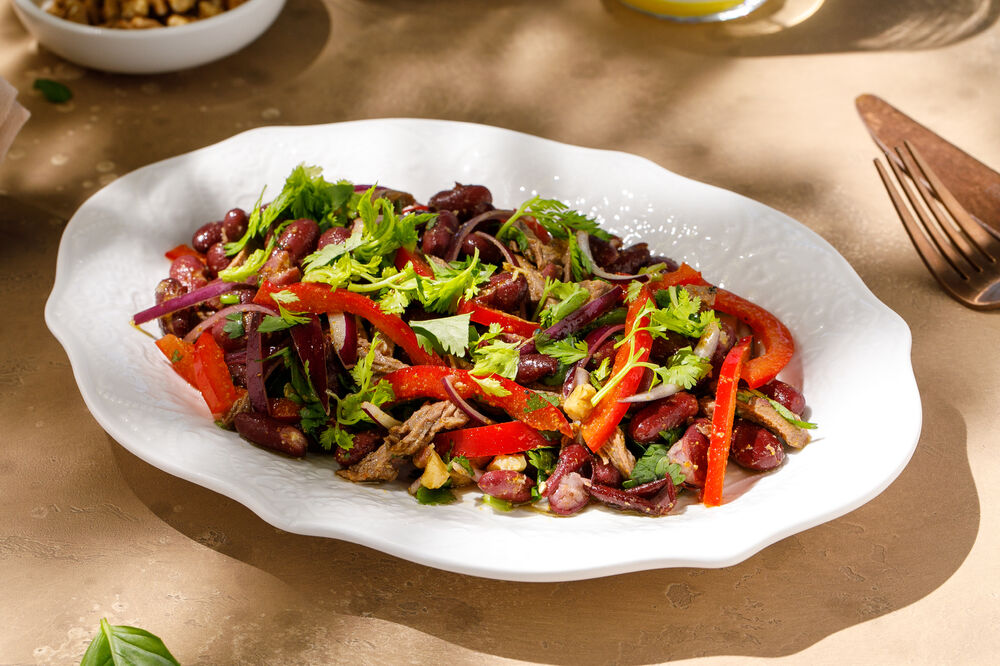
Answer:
(763, 106)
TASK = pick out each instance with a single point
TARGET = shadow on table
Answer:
(891, 552)
(796, 27)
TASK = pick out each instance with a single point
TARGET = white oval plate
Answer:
(853, 352)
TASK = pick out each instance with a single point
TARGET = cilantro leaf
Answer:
(566, 351)
(496, 357)
(490, 386)
(446, 334)
(234, 325)
(347, 410)
(571, 297)
(537, 400)
(544, 460)
(654, 464)
(684, 369)
(680, 312)
(426, 495)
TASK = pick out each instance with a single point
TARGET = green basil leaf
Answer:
(53, 91)
(120, 645)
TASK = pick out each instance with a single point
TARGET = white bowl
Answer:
(150, 51)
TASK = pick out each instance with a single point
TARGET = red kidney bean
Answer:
(650, 488)
(786, 394)
(572, 495)
(507, 485)
(333, 236)
(279, 270)
(216, 258)
(271, 434)
(227, 343)
(437, 239)
(234, 225)
(399, 199)
(605, 473)
(365, 442)
(604, 251)
(691, 452)
(532, 367)
(504, 292)
(465, 201)
(176, 323)
(206, 236)
(631, 259)
(552, 272)
(664, 348)
(238, 371)
(606, 350)
(299, 238)
(670, 264)
(662, 415)
(488, 252)
(571, 459)
(755, 447)
(189, 271)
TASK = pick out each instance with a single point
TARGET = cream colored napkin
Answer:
(12, 116)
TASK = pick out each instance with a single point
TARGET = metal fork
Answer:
(957, 250)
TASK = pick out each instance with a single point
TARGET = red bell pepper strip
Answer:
(779, 347)
(319, 299)
(490, 440)
(180, 354)
(722, 422)
(420, 266)
(536, 228)
(481, 314)
(682, 276)
(520, 403)
(182, 250)
(768, 329)
(211, 375)
(600, 425)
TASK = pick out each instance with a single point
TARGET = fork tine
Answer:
(950, 236)
(973, 231)
(924, 224)
(937, 263)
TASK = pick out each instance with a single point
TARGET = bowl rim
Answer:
(34, 9)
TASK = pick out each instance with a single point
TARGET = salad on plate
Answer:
(526, 353)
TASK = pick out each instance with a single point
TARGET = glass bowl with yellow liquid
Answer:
(695, 11)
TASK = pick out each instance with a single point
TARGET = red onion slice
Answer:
(344, 335)
(583, 240)
(209, 291)
(578, 318)
(507, 256)
(380, 416)
(310, 345)
(470, 226)
(255, 366)
(578, 375)
(475, 417)
(204, 324)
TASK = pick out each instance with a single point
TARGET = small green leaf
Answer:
(120, 645)
(426, 495)
(497, 503)
(53, 91)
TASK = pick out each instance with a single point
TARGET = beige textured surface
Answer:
(763, 107)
